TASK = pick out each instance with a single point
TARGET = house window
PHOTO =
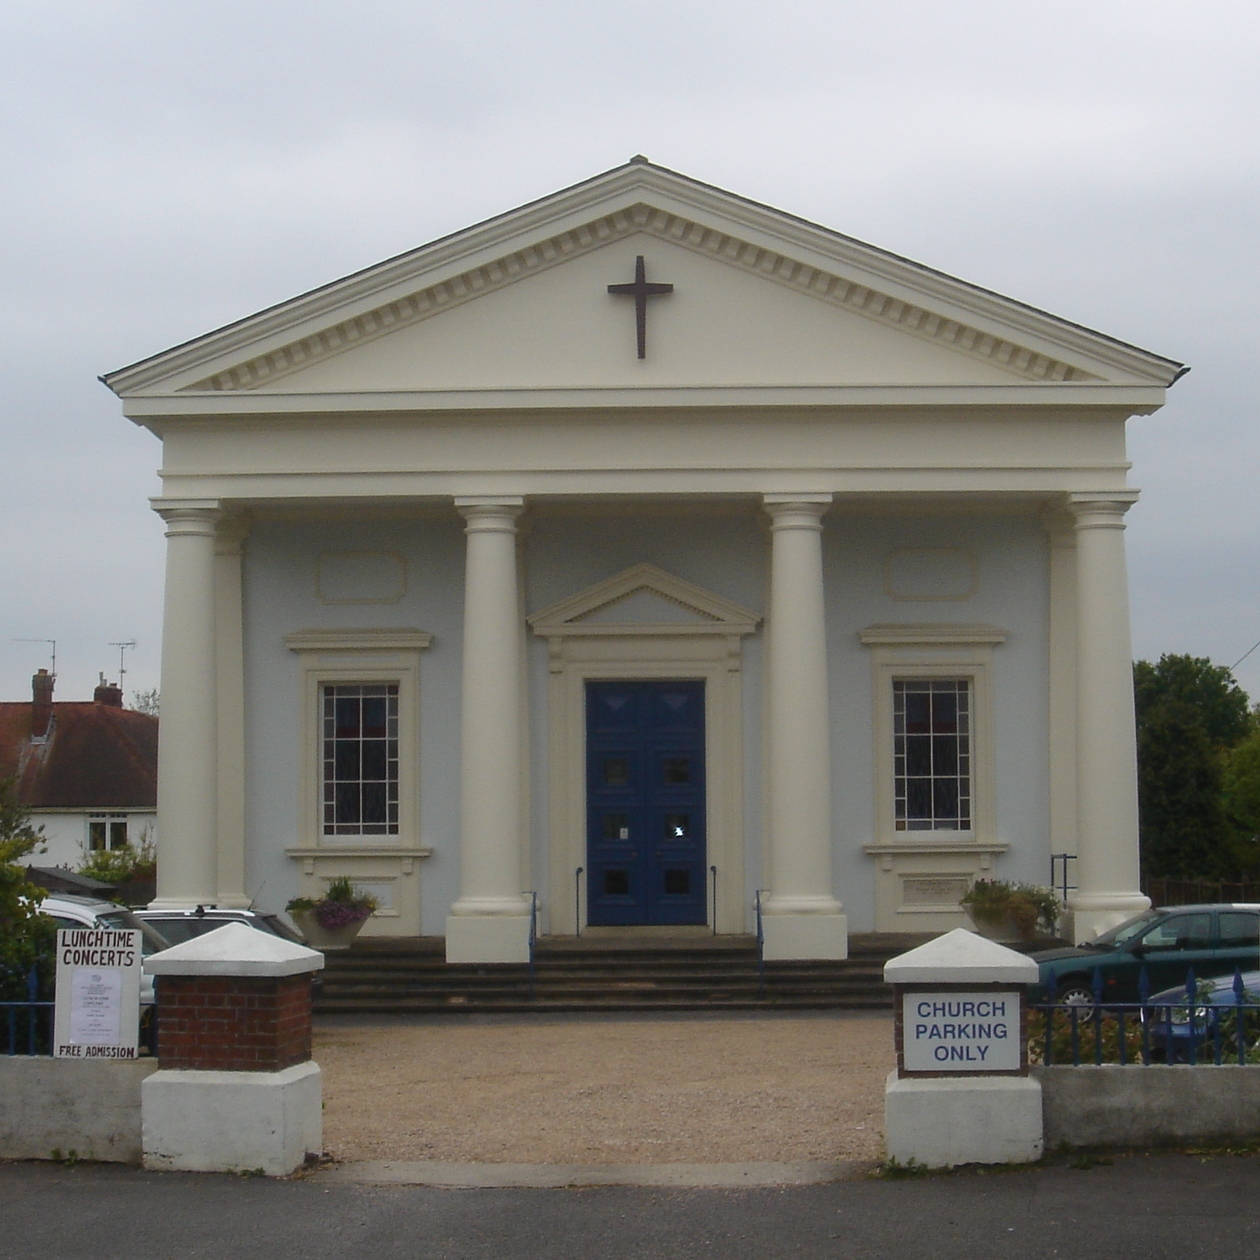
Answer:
(360, 759)
(932, 754)
(105, 832)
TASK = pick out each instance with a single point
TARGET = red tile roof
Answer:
(97, 756)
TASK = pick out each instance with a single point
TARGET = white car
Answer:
(70, 911)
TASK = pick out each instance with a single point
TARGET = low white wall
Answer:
(1149, 1106)
(57, 1105)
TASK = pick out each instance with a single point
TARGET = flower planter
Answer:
(322, 938)
(1004, 930)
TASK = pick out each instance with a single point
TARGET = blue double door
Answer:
(645, 797)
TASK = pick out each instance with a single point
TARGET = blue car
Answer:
(1185, 1026)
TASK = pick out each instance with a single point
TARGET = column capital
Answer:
(188, 516)
(803, 510)
(490, 512)
(1100, 509)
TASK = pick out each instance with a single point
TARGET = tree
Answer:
(1241, 783)
(26, 936)
(1190, 714)
(146, 701)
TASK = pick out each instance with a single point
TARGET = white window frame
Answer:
(109, 820)
(904, 653)
(357, 656)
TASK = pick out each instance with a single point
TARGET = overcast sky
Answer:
(168, 167)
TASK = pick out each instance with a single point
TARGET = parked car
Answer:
(1212, 939)
(71, 911)
(178, 926)
(1178, 1019)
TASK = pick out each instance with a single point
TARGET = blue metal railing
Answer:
(761, 945)
(1194, 1030)
(28, 1023)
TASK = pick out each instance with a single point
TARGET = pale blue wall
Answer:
(726, 551)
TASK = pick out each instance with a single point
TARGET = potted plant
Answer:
(334, 920)
(1004, 911)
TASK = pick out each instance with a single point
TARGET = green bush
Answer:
(27, 938)
(118, 866)
(1028, 906)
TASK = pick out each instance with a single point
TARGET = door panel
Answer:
(645, 802)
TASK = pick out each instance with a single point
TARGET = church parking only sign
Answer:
(97, 1014)
(959, 1031)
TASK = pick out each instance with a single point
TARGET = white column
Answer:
(801, 917)
(187, 761)
(490, 920)
(230, 686)
(1106, 745)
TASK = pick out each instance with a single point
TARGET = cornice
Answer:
(360, 640)
(931, 634)
(875, 283)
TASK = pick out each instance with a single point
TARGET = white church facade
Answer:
(636, 555)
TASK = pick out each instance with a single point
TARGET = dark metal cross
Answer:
(640, 290)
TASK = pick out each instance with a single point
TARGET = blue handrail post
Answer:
(1191, 994)
(1052, 993)
(1240, 1030)
(1144, 996)
(1098, 995)
(761, 948)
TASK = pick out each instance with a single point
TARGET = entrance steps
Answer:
(606, 970)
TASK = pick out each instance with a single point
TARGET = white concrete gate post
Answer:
(489, 923)
(961, 1093)
(802, 918)
(1107, 853)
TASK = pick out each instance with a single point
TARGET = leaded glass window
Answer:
(360, 756)
(932, 754)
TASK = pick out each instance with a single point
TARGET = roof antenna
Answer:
(122, 659)
(54, 650)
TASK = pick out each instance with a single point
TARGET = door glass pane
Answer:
(677, 826)
(616, 771)
(678, 883)
(616, 826)
(616, 883)
(677, 770)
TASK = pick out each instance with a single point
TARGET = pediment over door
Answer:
(643, 600)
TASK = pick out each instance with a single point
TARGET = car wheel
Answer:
(1078, 994)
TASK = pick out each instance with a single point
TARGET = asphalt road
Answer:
(1143, 1206)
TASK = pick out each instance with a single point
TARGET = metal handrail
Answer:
(533, 937)
(577, 901)
(1060, 884)
(761, 946)
(713, 873)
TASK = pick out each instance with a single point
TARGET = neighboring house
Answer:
(643, 548)
(87, 770)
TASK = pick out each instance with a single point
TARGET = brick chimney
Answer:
(41, 704)
(108, 693)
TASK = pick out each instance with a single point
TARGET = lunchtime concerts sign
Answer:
(957, 1031)
(98, 994)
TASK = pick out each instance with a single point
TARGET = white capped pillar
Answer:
(1107, 856)
(801, 917)
(187, 735)
(490, 920)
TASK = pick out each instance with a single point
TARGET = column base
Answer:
(487, 938)
(196, 1121)
(801, 937)
(1095, 913)
(957, 1120)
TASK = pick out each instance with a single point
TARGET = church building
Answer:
(646, 557)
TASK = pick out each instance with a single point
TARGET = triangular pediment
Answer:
(644, 599)
(760, 299)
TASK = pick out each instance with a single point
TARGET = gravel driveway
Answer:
(605, 1090)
